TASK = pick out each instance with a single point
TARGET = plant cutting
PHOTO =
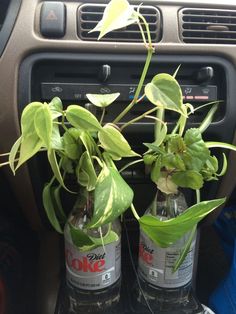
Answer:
(80, 144)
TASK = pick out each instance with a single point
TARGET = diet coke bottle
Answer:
(92, 275)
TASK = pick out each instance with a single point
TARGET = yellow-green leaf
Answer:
(43, 124)
(112, 197)
(81, 118)
(167, 232)
(49, 207)
(102, 100)
(165, 92)
(114, 142)
(12, 155)
(117, 14)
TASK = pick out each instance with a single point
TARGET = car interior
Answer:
(46, 50)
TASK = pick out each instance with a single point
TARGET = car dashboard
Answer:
(46, 50)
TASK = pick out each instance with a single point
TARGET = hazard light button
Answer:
(53, 19)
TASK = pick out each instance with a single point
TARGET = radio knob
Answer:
(105, 72)
(204, 75)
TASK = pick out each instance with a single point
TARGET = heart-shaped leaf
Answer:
(56, 107)
(50, 208)
(27, 118)
(164, 91)
(86, 243)
(117, 14)
(13, 152)
(188, 179)
(197, 152)
(167, 232)
(72, 145)
(81, 118)
(85, 172)
(30, 145)
(111, 198)
(30, 141)
(43, 124)
(102, 100)
(114, 142)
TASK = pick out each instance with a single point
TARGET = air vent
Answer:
(208, 26)
(90, 14)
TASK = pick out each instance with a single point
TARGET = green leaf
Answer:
(30, 141)
(188, 179)
(58, 205)
(85, 172)
(111, 198)
(154, 148)
(176, 144)
(185, 251)
(224, 167)
(161, 135)
(27, 118)
(87, 243)
(43, 124)
(173, 161)
(156, 170)
(110, 237)
(197, 152)
(88, 143)
(220, 145)
(72, 144)
(167, 232)
(210, 168)
(80, 237)
(114, 142)
(49, 208)
(208, 119)
(117, 14)
(102, 100)
(166, 185)
(56, 139)
(13, 152)
(165, 92)
(56, 107)
(30, 145)
(55, 168)
(149, 159)
(67, 165)
(81, 118)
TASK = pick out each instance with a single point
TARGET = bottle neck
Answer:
(167, 206)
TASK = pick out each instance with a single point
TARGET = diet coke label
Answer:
(93, 270)
(156, 263)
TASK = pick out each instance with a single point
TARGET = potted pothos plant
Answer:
(80, 144)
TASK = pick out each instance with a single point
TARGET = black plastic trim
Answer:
(222, 130)
(25, 79)
(9, 22)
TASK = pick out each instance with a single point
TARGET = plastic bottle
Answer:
(164, 290)
(92, 276)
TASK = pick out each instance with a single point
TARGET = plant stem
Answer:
(134, 211)
(131, 164)
(137, 119)
(154, 206)
(158, 125)
(138, 90)
(144, 73)
(198, 196)
(103, 114)
(5, 163)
